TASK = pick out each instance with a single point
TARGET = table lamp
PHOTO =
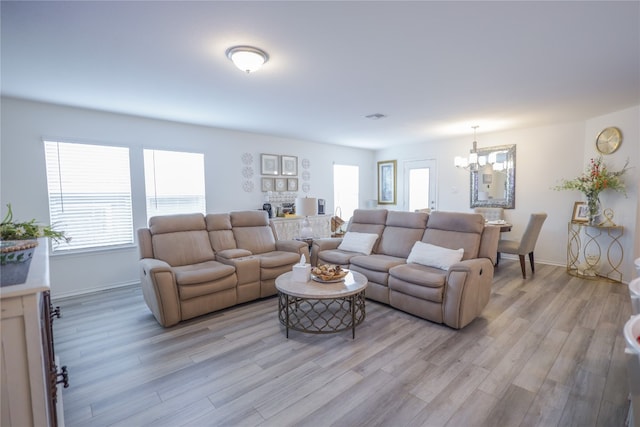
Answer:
(306, 206)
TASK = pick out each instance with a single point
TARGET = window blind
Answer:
(89, 194)
(174, 182)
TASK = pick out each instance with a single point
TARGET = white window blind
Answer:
(174, 182)
(89, 194)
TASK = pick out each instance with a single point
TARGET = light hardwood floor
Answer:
(548, 351)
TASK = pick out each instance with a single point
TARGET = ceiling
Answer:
(435, 69)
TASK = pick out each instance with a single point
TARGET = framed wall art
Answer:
(580, 212)
(289, 165)
(281, 184)
(269, 164)
(387, 182)
(292, 184)
(267, 184)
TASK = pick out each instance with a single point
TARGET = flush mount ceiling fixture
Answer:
(247, 58)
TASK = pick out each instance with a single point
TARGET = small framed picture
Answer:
(281, 184)
(292, 184)
(580, 212)
(487, 178)
(268, 164)
(267, 184)
(289, 165)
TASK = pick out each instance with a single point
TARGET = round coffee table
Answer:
(321, 308)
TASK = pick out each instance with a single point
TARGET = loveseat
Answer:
(193, 264)
(445, 278)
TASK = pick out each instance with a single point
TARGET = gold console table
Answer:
(587, 246)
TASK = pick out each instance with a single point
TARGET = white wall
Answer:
(544, 156)
(24, 184)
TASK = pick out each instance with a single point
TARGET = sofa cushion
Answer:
(455, 230)
(203, 272)
(376, 262)
(174, 223)
(336, 256)
(358, 242)
(183, 247)
(434, 256)
(251, 231)
(220, 231)
(401, 231)
(419, 275)
(278, 258)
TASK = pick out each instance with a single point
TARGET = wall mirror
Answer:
(493, 184)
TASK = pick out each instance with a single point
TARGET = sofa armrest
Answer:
(467, 291)
(247, 267)
(160, 291)
(296, 246)
(324, 244)
(232, 254)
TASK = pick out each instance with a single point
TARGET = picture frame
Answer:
(289, 165)
(281, 184)
(487, 178)
(267, 184)
(387, 182)
(580, 212)
(292, 184)
(269, 164)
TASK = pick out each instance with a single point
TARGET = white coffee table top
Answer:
(353, 283)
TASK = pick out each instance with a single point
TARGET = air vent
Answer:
(376, 116)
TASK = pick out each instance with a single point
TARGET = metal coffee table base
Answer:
(321, 316)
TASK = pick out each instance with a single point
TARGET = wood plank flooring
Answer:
(548, 351)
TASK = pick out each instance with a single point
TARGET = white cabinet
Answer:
(289, 228)
(28, 389)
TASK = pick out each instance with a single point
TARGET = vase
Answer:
(15, 260)
(593, 206)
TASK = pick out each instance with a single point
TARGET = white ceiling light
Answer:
(247, 58)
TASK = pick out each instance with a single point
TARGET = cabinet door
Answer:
(23, 383)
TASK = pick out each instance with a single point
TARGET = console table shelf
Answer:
(594, 251)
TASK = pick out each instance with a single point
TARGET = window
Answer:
(174, 182)
(345, 190)
(89, 194)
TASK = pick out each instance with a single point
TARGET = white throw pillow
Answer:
(358, 242)
(434, 256)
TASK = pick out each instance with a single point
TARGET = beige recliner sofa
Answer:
(192, 265)
(455, 296)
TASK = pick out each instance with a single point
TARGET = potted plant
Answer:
(18, 241)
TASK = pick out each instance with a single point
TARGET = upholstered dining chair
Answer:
(490, 214)
(526, 244)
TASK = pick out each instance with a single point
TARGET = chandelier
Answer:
(470, 162)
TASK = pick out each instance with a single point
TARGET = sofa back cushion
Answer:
(251, 231)
(368, 221)
(180, 239)
(220, 231)
(455, 230)
(402, 230)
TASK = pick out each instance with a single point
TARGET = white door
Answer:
(420, 184)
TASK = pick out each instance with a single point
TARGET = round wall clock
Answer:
(609, 140)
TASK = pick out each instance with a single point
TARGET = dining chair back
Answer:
(526, 244)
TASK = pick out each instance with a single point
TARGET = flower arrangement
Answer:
(29, 230)
(596, 178)
(17, 244)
